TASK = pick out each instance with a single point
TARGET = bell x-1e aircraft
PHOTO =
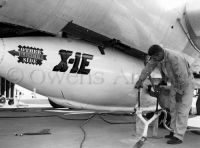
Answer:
(88, 54)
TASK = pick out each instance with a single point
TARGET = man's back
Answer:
(177, 68)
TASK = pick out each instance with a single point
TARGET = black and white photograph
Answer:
(99, 73)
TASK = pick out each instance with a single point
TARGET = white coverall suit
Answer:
(176, 69)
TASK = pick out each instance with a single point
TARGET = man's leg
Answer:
(183, 109)
(172, 108)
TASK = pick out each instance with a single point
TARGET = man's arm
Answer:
(150, 66)
(179, 73)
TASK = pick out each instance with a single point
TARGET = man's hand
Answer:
(178, 98)
(138, 84)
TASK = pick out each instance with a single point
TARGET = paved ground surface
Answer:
(66, 131)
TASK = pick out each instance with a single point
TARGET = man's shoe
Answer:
(171, 134)
(174, 140)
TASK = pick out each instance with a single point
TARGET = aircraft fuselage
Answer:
(71, 70)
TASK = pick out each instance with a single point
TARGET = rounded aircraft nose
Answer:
(192, 22)
(193, 16)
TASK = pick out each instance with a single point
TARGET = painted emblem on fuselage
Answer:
(29, 55)
(65, 60)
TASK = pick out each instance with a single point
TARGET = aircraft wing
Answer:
(74, 31)
(100, 40)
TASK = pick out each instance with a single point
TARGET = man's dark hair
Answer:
(154, 50)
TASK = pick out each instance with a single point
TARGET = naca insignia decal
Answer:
(83, 59)
(29, 55)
